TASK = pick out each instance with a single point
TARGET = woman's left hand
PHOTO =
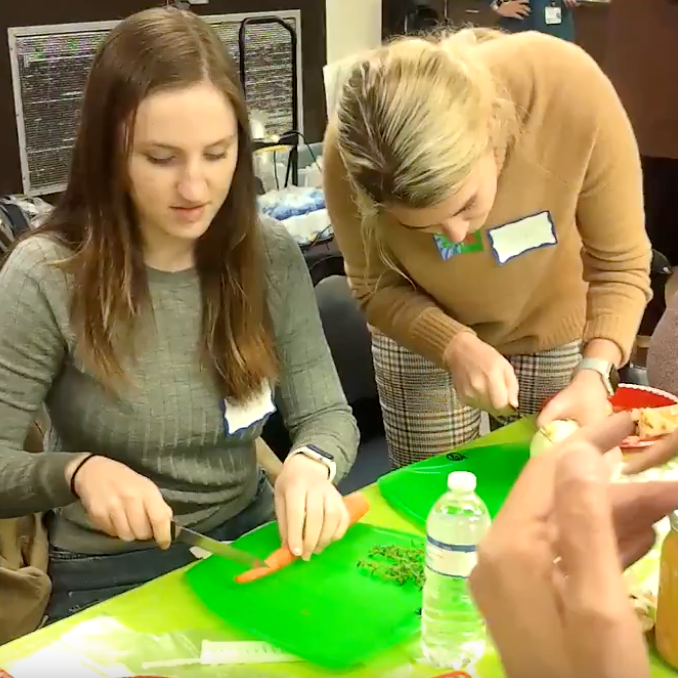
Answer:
(571, 3)
(311, 512)
(585, 401)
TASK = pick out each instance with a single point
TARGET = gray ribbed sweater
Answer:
(168, 424)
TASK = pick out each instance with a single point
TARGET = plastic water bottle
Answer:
(453, 631)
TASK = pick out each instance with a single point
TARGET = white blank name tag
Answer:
(238, 417)
(553, 16)
(531, 233)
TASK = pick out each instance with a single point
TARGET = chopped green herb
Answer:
(396, 563)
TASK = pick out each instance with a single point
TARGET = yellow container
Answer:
(666, 626)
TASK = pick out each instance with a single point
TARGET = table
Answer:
(167, 606)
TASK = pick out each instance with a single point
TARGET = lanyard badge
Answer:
(553, 14)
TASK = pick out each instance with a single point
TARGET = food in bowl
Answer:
(655, 422)
(641, 402)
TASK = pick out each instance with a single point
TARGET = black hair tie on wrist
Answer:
(77, 469)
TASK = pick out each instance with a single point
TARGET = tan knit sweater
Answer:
(575, 161)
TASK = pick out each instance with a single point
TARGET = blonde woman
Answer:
(486, 195)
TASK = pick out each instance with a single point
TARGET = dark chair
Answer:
(660, 272)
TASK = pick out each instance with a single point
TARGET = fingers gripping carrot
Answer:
(356, 505)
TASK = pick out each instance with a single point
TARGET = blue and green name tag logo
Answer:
(449, 249)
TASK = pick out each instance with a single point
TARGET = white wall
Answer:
(352, 26)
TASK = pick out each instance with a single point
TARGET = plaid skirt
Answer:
(423, 416)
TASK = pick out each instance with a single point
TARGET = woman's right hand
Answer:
(514, 9)
(121, 502)
(566, 524)
(482, 377)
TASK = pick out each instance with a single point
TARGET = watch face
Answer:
(614, 378)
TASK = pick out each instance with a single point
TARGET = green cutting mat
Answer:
(326, 611)
(413, 490)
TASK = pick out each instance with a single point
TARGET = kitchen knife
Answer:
(505, 420)
(193, 538)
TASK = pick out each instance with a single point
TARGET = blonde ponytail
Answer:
(416, 115)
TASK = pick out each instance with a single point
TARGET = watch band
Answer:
(607, 371)
(322, 457)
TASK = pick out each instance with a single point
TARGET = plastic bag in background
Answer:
(259, 121)
(271, 169)
(69, 655)
(312, 176)
(18, 214)
(34, 210)
(301, 210)
(104, 647)
(270, 166)
(291, 202)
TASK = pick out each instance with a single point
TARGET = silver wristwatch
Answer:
(608, 372)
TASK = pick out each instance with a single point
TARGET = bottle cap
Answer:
(461, 481)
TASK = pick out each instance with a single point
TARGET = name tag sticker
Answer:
(518, 237)
(553, 16)
(240, 416)
(449, 249)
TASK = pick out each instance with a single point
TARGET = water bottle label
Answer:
(450, 560)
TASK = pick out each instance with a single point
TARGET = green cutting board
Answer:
(412, 490)
(326, 611)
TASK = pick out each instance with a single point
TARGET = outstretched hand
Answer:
(574, 531)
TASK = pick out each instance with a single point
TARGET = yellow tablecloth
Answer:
(155, 620)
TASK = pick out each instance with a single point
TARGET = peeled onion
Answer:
(551, 433)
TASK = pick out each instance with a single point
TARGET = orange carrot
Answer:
(356, 505)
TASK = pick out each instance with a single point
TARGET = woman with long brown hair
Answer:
(153, 315)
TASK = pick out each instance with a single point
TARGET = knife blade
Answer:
(504, 420)
(193, 538)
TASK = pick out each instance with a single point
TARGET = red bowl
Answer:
(631, 397)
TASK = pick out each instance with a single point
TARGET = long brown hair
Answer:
(154, 50)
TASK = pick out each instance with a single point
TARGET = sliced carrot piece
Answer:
(253, 574)
(356, 505)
